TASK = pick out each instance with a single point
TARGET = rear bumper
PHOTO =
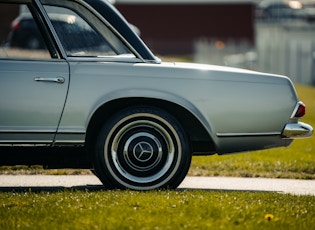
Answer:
(297, 130)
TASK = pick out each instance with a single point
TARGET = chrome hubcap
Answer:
(142, 151)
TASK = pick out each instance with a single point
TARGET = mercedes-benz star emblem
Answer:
(143, 151)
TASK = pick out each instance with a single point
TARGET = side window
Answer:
(80, 38)
(20, 36)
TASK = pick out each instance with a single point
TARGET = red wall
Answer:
(172, 28)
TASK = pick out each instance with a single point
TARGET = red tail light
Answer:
(299, 110)
(16, 25)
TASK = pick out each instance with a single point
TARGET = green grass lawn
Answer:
(181, 209)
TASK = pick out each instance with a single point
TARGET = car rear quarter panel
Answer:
(226, 101)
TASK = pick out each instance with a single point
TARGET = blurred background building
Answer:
(173, 26)
(276, 36)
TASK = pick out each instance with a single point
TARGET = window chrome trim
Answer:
(116, 58)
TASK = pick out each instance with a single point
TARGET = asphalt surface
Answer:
(90, 182)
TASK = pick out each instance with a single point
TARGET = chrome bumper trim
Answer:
(297, 130)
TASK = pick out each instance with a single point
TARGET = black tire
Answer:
(142, 148)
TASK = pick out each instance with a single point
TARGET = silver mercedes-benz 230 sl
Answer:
(78, 88)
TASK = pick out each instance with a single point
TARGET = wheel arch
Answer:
(201, 140)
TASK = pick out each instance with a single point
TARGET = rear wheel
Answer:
(142, 148)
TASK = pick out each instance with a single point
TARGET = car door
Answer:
(33, 83)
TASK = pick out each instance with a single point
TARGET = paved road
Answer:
(46, 182)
